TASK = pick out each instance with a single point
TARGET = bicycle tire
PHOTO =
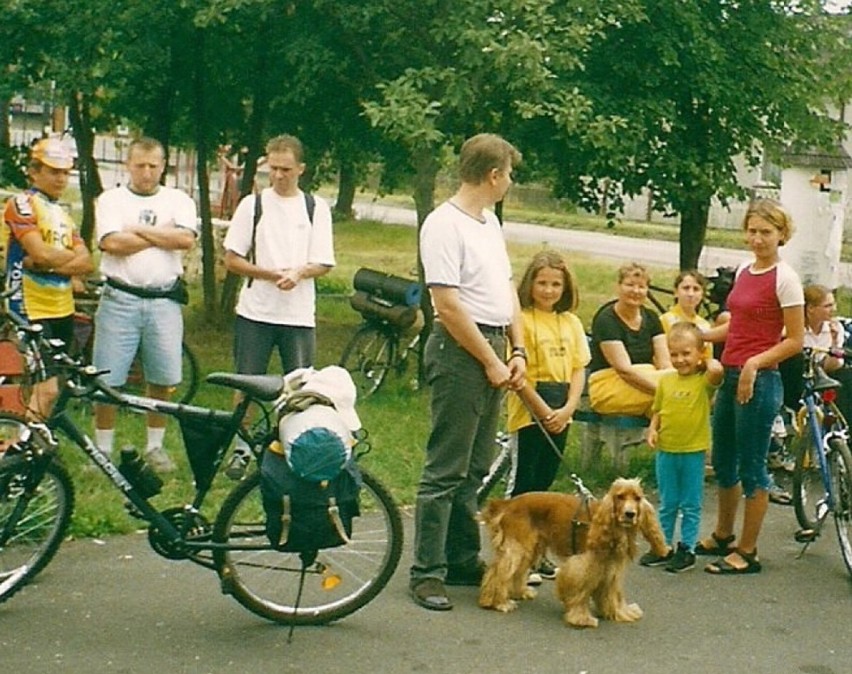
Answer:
(266, 581)
(840, 471)
(808, 488)
(190, 377)
(33, 519)
(367, 357)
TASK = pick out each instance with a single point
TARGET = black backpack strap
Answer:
(310, 205)
(258, 212)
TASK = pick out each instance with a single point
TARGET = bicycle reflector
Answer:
(829, 396)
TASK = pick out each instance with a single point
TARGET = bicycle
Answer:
(86, 304)
(375, 349)
(822, 476)
(37, 500)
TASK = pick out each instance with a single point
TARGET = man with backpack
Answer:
(280, 240)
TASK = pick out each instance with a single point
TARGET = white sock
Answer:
(155, 437)
(104, 438)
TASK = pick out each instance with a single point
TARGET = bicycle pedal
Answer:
(806, 535)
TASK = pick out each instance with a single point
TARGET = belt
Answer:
(146, 293)
(499, 330)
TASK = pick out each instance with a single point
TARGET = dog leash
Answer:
(586, 496)
(544, 431)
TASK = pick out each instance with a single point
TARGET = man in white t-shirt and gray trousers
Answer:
(143, 229)
(475, 350)
(280, 255)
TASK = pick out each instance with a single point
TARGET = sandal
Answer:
(723, 568)
(722, 547)
(779, 496)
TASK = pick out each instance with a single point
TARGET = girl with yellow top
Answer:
(689, 288)
(557, 355)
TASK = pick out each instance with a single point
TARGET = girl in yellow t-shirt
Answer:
(557, 355)
(689, 288)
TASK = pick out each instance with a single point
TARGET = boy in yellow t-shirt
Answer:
(680, 432)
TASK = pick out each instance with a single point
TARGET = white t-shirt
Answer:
(285, 239)
(118, 208)
(460, 252)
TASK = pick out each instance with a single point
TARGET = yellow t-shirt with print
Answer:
(556, 345)
(683, 403)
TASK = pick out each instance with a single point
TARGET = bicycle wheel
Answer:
(840, 470)
(499, 471)
(33, 518)
(190, 377)
(368, 357)
(340, 581)
(808, 489)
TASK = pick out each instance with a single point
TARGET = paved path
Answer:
(115, 606)
(610, 246)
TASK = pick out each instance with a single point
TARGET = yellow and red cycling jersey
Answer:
(38, 294)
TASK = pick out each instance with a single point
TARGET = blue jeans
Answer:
(125, 324)
(741, 433)
(680, 479)
(465, 413)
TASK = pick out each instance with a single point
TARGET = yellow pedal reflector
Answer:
(330, 580)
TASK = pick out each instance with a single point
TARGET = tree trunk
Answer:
(208, 244)
(90, 178)
(426, 166)
(346, 183)
(254, 142)
(693, 229)
(5, 129)
(426, 171)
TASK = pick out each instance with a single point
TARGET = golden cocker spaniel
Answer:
(596, 540)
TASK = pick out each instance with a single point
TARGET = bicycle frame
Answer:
(83, 381)
(815, 402)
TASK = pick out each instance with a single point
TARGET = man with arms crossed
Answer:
(44, 251)
(143, 229)
(477, 317)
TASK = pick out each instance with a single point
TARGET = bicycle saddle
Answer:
(260, 386)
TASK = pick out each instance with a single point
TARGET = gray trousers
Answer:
(465, 414)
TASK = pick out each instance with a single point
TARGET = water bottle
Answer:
(138, 473)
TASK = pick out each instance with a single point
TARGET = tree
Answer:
(689, 87)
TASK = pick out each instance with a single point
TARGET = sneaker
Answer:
(651, 559)
(469, 574)
(236, 469)
(546, 569)
(683, 560)
(534, 579)
(157, 458)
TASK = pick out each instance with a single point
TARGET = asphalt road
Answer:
(115, 606)
(645, 251)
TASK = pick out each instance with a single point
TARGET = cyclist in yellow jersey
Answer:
(43, 253)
